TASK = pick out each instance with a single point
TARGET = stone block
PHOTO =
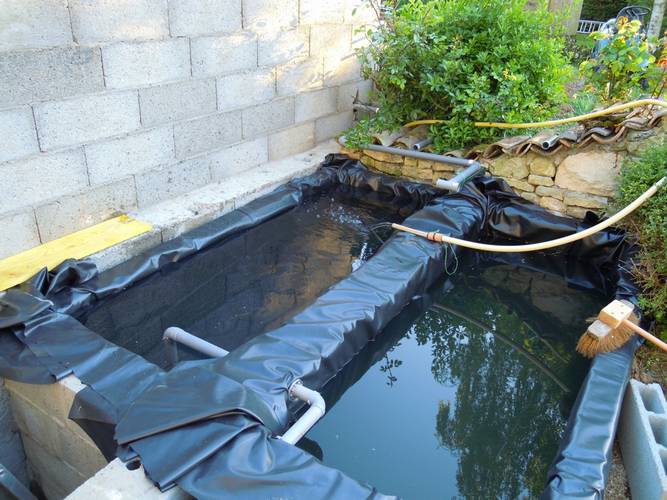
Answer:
(332, 126)
(177, 101)
(40, 75)
(348, 91)
(522, 185)
(294, 78)
(202, 17)
(129, 65)
(340, 70)
(53, 399)
(268, 117)
(34, 24)
(221, 55)
(510, 167)
(542, 165)
(531, 197)
(283, 46)
(553, 192)
(321, 11)
(85, 119)
(111, 257)
(576, 212)
(239, 157)
(129, 155)
(19, 232)
(585, 200)
(96, 21)
(206, 133)
(291, 141)
(269, 15)
(312, 105)
(388, 157)
(74, 212)
(552, 204)
(594, 172)
(19, 136)
(39, 178)
(246, 89)
(540, 180)
(330, 39)
(417, 173)
(387, 168)
(159, 184)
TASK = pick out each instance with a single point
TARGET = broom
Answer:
(612, 329)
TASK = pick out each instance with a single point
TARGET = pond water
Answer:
(467, 397)
(252, 282)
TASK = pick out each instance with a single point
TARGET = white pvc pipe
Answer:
(179, 335)
(308, 419)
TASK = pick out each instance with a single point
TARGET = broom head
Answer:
(603, 337)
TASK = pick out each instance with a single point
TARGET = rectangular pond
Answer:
(467, 396)
(251, 282)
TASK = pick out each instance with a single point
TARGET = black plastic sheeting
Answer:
(238, 404)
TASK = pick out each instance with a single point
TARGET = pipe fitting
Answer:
(178, 335)
(314, 413)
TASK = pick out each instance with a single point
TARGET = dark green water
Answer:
(467, 399)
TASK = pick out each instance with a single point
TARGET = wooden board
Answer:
(18, 268)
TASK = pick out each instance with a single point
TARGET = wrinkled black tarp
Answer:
(239, 403)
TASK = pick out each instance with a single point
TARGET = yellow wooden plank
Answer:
(18, 268)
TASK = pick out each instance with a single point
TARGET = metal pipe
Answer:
(419, 145)
(459, 180)
(175, 334)
(311, 417)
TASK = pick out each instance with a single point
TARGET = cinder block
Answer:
(332, 126)
(340, 70)
(129, 155)
(643, 436)
(264, 118)
(284, 46)
(322, 11)
(19, 136)
(294, 78)
(221, 55)
(177, 101)
(347, 93)
(159, 184)
(207, 133)
(19, 231)
(330, 39)
(246, 89)
(111, 257)
(95, 21)
(34, 24)
(311, 105)
(291, 141)
(269, 15)
(359, 12)
(80, 453)
(37, 424)
(146, 63)
(38, 178)
(84, 119)
(36, 75)
(53, 399)
(203, 17)
(72, 213)
(239, 157)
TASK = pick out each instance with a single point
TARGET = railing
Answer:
(586, 26)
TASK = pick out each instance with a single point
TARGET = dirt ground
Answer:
(617, 486)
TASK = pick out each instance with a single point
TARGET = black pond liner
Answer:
(238, 404)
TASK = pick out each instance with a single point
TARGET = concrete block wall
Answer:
(109, 106)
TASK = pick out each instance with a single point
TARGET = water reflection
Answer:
(467, 393)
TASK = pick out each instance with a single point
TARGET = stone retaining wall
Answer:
(570, 182)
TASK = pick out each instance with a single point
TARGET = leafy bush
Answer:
(649, 223)
(464, 61)
(623, 65)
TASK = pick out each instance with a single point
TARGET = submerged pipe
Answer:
(175, 334)
(311, 417)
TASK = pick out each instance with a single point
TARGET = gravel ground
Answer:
(617, 486)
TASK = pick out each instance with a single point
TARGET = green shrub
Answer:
(649, 223)
(464, 61)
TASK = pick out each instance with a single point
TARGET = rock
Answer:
(593, 172)
(522, 185)
(387, 168)
(553, 192)
(514, 168)
(436, 166)
(585, 200)
(576, 212)
(384, 157)
(540, 180)
(532, 197)
(542, 165)
(410, 162)
(355, 154)
(553, 205)
(417, 173)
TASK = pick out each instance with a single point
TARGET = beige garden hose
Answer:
(554, 123)
(545, 245)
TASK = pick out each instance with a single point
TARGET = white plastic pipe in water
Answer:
(308, 419)
(179, 335)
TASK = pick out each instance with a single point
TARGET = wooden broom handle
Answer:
(640, 331)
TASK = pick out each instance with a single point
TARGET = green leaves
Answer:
(465, 61)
